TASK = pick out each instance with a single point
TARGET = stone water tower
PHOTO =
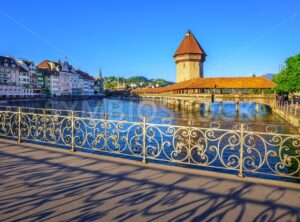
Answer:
(189, 58)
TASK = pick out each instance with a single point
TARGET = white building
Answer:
(9, 71)
(75, 87)
(36, 80)
(65, 83)
(10, 84)
(29, 78)
(24, 81)
(76, 84)
(87, 83)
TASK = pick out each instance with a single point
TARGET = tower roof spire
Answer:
(189, 45)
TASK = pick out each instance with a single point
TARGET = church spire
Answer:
(100, 73)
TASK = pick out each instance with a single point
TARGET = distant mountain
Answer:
(269, 76)
(137, 79)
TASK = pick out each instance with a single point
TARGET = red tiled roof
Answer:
(85, 75)
(215, 83)
(50, 66)
(189, 45)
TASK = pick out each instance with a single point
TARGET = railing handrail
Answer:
(141, 118)
(189, 121)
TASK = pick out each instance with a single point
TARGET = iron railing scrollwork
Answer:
(240, 148)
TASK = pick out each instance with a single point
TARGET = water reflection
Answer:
(163, 113)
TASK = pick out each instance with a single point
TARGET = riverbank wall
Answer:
(288, 117)
(57, 98)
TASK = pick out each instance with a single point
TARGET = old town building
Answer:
(87, 83)
(21, 78)
(50, 71)
(10, 78)
(29, 77)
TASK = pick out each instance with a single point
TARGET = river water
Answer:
(162, 113)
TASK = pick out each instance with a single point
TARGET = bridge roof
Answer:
(215, 83)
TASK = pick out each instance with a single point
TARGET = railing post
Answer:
(72, 133)
(44, 124)
(19, 124)
(105, 116)
(144, 141)
(241, 162)
(189, 132)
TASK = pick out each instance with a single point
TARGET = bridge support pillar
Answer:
(237, 106)
(257, 107)
(177, 103)
(207, 107)
(185, 104)
(191, 105)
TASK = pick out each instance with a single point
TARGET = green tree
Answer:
(110, 85)
(46, 91)
(288, 80)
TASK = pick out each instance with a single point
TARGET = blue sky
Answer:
(132, 37)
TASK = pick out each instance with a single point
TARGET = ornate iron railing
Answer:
(240, 148)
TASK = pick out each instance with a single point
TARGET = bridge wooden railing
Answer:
(267, 99)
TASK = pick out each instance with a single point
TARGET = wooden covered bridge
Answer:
(192, 89)
(191, 93)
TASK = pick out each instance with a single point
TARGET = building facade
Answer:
(23, 79)
(10, 78)
(9, 71)
(75, 84)
(29, 77)
(50, 71)
(87, 83)
(65, 83)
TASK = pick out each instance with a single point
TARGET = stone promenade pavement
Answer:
(49, 184)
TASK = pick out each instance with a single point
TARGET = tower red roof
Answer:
(189, 45)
